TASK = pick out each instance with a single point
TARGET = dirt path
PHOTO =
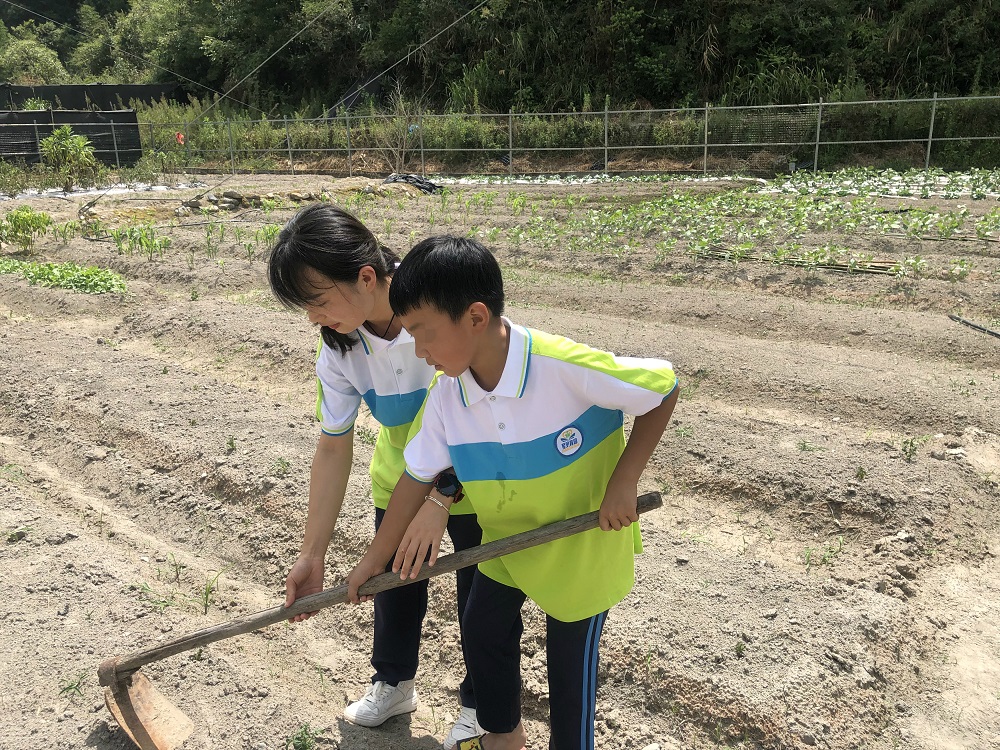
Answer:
(823, 572)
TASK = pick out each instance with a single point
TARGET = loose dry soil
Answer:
(804, 584)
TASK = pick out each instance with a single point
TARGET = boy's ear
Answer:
(480, 316)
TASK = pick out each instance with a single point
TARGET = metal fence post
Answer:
(510, 142)
(819, 124)
(605, 135)
(187, 141)
(232, 151)
(152, 138)
(420, 132)
(288, 141)
(114, 141)
(704, 156)
(347, 123)
(38, 143)
(930, 132)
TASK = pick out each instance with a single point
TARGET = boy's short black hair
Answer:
(449, 273)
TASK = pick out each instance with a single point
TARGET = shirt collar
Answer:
(515, 369)
(373, 343)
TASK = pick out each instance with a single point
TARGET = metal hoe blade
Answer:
(153, 722)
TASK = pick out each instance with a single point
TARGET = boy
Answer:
(532, 424)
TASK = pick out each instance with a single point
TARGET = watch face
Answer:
(447, 484)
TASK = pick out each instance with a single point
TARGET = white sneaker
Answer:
(467, 726)
(381, 702)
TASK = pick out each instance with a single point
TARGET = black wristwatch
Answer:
(449, 486)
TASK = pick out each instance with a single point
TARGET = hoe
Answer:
(154, 723)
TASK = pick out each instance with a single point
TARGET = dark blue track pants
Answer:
(399, 614)
(492, 629)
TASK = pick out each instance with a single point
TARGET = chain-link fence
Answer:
(950, 133)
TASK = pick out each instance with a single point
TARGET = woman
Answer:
(328, 263)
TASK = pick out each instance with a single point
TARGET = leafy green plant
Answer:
(959, 269)
(806, 446)
(71, 156)
(23, 225)
(365, 434)
(304, 739)
(86, 279)
(280, 467)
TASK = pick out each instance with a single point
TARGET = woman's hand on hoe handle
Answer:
(305, 578)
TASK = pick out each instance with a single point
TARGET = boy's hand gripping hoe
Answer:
(154, 723)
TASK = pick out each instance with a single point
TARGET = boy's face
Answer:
(446, 344)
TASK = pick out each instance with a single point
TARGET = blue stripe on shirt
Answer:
(534, 458)
(395, 409)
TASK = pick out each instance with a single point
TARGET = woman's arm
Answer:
(331, 468)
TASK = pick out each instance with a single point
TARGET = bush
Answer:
(71, 156)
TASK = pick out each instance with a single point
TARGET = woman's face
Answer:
(340, 306)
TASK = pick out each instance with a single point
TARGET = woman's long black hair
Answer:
(335, 244)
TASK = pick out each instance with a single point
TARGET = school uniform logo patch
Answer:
(569, 441)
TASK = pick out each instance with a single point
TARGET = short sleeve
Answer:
(337, 400)
(634, 386)
(426, 451)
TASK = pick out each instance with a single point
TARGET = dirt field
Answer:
(824, 572)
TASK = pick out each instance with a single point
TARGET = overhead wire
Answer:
(136, 57)
(227, 94)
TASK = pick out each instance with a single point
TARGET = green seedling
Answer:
(16, 535)
(73, 686)
(210, 587)
(230, 444)
(805, 445)
(684, 431)
(153, 597)
(280, 467)
(366, 435)
(910, 446)
(304, 739)
(176, 566)
(860, 473)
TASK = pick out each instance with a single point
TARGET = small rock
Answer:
(182, 211)
(96, 454)
(682, 560)
(770, 614)
(193, 203)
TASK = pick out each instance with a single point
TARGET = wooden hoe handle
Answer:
(116, 668)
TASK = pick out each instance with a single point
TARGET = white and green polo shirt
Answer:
(392, 380)
(539, 448)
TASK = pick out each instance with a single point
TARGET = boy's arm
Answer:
(618, 508)
(406, 500)
(331, 468)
